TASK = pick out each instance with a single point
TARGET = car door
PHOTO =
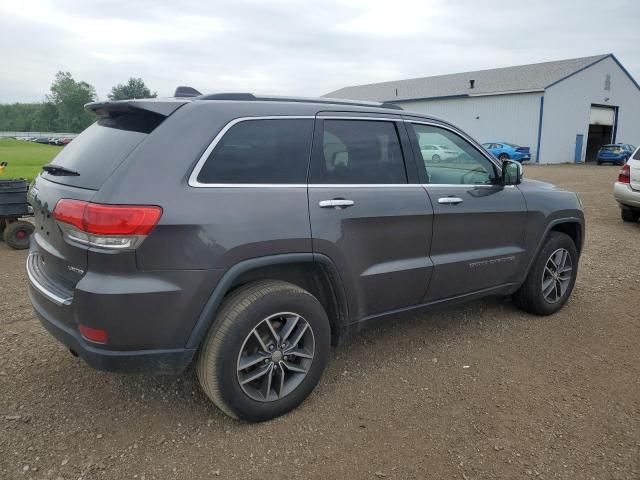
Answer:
(369, 214)
(478, 227)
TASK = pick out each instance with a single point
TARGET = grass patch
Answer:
(25, 159)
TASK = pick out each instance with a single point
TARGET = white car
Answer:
(437, 153)
(627, 189)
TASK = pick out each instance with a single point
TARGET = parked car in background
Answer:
(438, 152)
(616, 153)
(627, 189)
(64, 140)
(508, 151)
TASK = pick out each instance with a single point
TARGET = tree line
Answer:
(63, 107)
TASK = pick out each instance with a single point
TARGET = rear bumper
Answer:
(171, 361)
(625, 195)
(148, 315)
(609, 159)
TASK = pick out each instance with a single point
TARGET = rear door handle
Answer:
(449, 200)
(336, 203)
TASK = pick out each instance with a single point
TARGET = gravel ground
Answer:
(480, 391)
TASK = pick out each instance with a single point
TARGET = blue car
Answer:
(616, 153)
(508, 151)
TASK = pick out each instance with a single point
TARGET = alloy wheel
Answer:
(275, 357)
(556, 276)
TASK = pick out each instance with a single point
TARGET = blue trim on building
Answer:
(610, 55)
(625, 71)
(540, 129)
(578, 71)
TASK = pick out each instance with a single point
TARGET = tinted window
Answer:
(359, 152)
(261, 151)
(458, 162)
(99, 149)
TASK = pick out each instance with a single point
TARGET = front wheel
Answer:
(266, 350)
(436, 158)
(551, 278)
(503, 157)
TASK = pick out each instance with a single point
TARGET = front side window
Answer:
(456, 161)
(359, 152)
(261, 151)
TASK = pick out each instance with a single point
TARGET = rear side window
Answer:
(98, 150)
(637, 155)
(261, 151)
(359, 152)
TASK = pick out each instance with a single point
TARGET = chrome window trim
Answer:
(193, 178)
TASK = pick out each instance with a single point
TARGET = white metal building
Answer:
(564, 110)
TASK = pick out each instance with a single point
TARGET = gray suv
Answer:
(248, 234)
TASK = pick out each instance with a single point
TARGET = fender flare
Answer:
(207, 315)
(548, 228)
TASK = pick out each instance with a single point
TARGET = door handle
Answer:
(336, 203)
(449, 200)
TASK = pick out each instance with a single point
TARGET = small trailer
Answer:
(13, 209)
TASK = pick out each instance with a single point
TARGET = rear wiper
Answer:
(59, 171)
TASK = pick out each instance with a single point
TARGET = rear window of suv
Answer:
(101, 148)
(269, 151)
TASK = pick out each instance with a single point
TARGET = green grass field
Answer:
(25, 159)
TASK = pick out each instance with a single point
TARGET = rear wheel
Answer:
(266, 350)
(16, 234)
(599, 162)
(551, 278)
(629, 215)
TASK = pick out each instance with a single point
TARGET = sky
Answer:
(304, 48)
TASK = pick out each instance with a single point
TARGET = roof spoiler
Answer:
(164, 107)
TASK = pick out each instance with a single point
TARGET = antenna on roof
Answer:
(184, 92)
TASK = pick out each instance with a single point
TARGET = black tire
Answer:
(530, 296)
(244, 310)
(17, 234)
(3, 225)
(503, 157)
(599, 162)
(629, 215)
(436, 158)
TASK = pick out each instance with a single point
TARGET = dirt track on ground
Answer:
(480, 391)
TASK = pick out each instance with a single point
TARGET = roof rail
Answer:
(192, 92)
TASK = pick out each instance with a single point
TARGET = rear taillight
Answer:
(106, 226)
(624, 175)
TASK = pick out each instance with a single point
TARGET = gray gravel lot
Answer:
(479, 391)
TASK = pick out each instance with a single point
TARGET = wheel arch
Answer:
(571, 226)
(313, 272)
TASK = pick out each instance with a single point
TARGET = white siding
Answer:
(567, 107)
(507, 118)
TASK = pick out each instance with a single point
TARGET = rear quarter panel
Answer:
(206, 228)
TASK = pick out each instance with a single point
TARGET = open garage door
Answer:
(602, 121)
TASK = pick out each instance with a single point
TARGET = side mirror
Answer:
(511, 172)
